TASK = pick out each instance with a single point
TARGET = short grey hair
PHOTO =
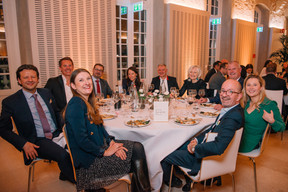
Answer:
(195, 67)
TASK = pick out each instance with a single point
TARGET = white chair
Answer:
(214, 166)
(114, 186)
(31, 166)
(257, 152)
(276, 95)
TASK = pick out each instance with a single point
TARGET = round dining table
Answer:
(158, 138)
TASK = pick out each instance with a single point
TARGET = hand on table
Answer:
(202, 100)
(218, 107)
(30, 151)
(269, 117)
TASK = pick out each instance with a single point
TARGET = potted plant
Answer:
(281, 55)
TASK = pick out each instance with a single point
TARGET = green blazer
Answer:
(255, 125)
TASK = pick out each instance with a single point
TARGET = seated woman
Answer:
(99, 160)
(131, 79)
(249, 69)
(258, 111)
(193, 81)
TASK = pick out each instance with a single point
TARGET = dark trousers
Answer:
(180, 157)
(52, 151)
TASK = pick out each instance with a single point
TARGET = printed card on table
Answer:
(161, 110)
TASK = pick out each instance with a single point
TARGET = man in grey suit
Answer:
(100, 85)
(218, 78)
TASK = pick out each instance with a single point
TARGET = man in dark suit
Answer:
(103, 86)
(216, 67)
(190, 154)
(60, 85)
(218, 78)
(163, 82)
(37, 120)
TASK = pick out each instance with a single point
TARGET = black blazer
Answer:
(209, 74)
(56, 86)
(16, 106)
(274, 83)
(172, 82)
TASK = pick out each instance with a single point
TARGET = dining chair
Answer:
(276, 95)
(31, 166)
(126, 178)
(217, 165)
(257, 152)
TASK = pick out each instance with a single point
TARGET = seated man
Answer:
(101, 85)
(218, 78)
(37, 120)
(163, 81)
(190, 154)
(215, 69)
(60, 85)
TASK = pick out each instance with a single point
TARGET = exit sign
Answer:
(259, 29)
(138, 7)
(216, 21)
(123, 10)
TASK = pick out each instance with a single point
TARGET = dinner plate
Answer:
(137, 123)
(208, 105)
(208, 114)
(108, 116)
(187, 121)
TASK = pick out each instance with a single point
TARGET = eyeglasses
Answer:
(99, 70)
(228, 92)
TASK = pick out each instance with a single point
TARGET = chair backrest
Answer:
(276, 95)
(265, 138)
(214, 166)
(71, 157)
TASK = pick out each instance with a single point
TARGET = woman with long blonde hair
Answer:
(258, 111)
(98, 158)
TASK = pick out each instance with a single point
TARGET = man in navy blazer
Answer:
(190, 154)
(163, 81)
(32, 138)
(60, 85)
(98, 70)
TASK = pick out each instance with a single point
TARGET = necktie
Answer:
(163, 87)
(98, 86)
(43, 119)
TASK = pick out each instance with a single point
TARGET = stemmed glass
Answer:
(192, 93)
(172, 91)
(176, 93)
(201, 92)
(151, 88)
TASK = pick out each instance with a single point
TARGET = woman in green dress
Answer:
(258, 111)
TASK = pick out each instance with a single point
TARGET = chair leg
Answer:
(282, 133)
(255, 175)
(204, 185)
(233, 182)
(31, 168)
(211, 184)
(171, 174)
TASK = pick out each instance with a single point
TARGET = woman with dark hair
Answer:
(249, 69)
(263, 72)
(99, 160)
(131, 79)
(258, 112)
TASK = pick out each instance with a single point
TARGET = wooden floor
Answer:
(272, 170)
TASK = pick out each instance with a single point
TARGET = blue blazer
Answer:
(86, 140)
(228, 124)
(16, 106)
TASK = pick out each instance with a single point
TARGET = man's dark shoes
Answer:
(176, 182)
(62, 177)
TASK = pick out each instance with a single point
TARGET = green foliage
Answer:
(281, 55)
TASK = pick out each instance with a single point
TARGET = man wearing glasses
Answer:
(100, 85)
(190, 154)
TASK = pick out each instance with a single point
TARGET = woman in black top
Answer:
(131, 79)
(193, 81)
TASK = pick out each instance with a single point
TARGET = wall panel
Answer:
(187, 40)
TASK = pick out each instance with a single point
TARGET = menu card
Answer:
(161, 110)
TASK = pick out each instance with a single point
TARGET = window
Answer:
(256, 16)
(131, 47)
(4, 68)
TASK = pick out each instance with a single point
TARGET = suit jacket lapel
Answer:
(23, 104)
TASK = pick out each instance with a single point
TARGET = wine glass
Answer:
(176, 93)
(151, 88)
(192, 92)
(201, 92)
(172, 91)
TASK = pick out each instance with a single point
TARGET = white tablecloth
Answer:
(159, 140)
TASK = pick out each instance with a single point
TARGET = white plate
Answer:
(187, 121)
(208, 114)
(137, 123)
(108, 116)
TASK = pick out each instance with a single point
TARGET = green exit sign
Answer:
(259, 29)
(216, 21)
(138, 6)
(123, 10)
